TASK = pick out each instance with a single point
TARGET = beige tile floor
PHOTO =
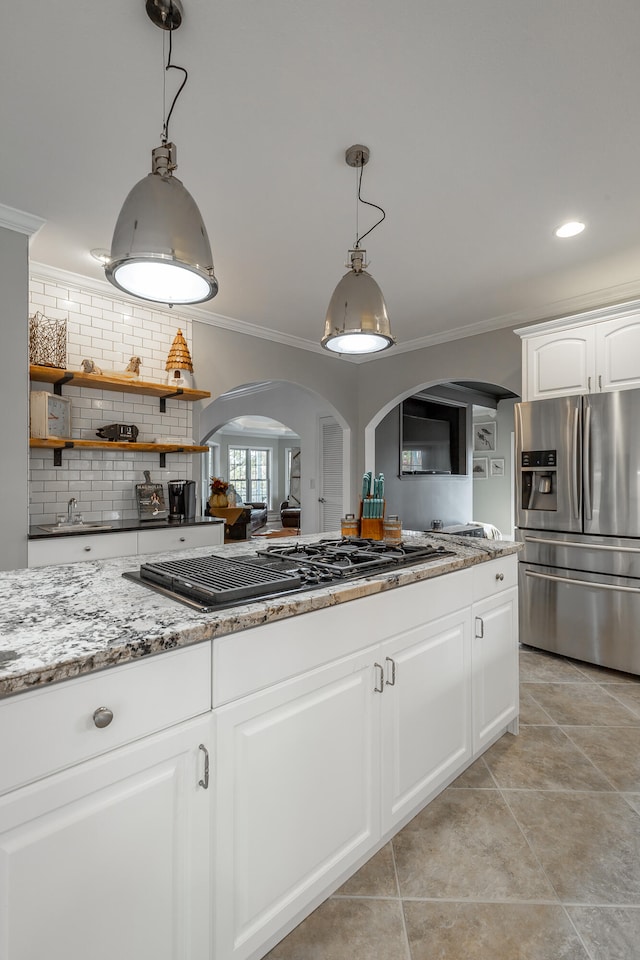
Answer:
(532, 854)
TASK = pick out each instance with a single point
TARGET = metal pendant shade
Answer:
(160, 249)
(357, 320)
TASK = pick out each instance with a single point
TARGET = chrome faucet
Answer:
(71, 510)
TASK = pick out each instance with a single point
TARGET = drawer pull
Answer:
(479, 628)
(87, 549)
(182, 539)
(379, 678)
(102, 717)
(499, 576)
(205, 782)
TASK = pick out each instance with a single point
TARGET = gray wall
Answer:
(493, 497)
(418, 500)
(14, 391)
(493, 357)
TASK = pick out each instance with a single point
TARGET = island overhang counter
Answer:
(232, 783)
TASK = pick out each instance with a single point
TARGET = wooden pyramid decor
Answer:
(179, 357)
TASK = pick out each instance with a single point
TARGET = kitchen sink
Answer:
(73, 527)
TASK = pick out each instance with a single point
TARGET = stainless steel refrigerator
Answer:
(578, 515)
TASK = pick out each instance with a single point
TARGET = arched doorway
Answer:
(424, 443)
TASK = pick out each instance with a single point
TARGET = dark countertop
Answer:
(116, 526)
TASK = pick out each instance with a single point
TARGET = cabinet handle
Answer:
(87, 549)
(588, 383)
(392, 682)
(499, 576)
(205, 782)
(182, 539)
(599, 381)
(379, 689)
(102, 717)
(479, 628)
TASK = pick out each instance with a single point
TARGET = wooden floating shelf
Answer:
(97, 381)
(59, 443)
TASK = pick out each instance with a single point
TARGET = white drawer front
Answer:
(494, 576)
(180, 538)
(47, 730)
(70, 549)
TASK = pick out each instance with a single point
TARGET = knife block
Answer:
(372, 528)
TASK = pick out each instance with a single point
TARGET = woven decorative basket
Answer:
(47, 341)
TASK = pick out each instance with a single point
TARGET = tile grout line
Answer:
(401, 902)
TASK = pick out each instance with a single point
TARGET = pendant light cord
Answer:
(368, 204)
(171, 66)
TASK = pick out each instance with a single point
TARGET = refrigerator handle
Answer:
(575, 465)
(586, 468)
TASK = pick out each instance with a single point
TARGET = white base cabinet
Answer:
(426, 731)
(296, 806)
(110, 858)
(315, 772)
(128, 543)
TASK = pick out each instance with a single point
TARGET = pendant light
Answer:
(160, 249)
(357, 320)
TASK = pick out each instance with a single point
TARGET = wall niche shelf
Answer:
(96, 381)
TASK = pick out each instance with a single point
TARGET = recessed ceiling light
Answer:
(570, 229)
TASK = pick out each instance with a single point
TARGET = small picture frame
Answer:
(480, 468)
(484, 436)
(496, 467)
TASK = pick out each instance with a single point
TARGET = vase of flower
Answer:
(219, 489)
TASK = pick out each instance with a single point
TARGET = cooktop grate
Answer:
(218, 580)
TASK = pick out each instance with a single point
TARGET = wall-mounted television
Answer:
(433, 438)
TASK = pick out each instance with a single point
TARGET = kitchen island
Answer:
(209, 798)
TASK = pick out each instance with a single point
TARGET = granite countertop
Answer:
(116, 526)
(62, 621)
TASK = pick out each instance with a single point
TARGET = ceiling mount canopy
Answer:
(357, 320)
(160, 249)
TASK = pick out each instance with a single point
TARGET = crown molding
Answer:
(555, 313)
(19, 221)
(45, 272)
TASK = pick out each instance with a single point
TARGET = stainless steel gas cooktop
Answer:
(216, 582)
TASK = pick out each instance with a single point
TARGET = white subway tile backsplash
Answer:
(109, 331)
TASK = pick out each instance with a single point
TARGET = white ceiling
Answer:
(489, 123)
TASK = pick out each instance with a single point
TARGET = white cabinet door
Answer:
(110, 858)
(426, 724)
(559, 364)
(618, 353)
(494, 666)
(296, 786)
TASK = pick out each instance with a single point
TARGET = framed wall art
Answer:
(484, 436)
(496, 467)
(480, 468)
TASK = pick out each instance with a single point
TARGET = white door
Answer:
(296, 798)
(426, 723)
(494, 666)
(330, 492)
(109, 859)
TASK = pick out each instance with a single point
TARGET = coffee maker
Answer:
(182, 500)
